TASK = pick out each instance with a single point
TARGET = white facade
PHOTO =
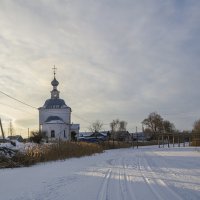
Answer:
(55, 117)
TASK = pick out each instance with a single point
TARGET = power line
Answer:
(36, 108)
(17, 100)
(81, 118)
(182, 113)
(87, 120)
(15, 108)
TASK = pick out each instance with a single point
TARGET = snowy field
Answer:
(146, 173)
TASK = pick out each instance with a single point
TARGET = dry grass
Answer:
(117, 144)
(56, 151)
(196, 143)
(114, 145)
(60, 151)
(196, 139)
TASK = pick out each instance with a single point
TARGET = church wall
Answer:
(61, 131)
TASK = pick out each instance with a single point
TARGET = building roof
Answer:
(54, 103)
(87, 134)
(54, 82)
(54, 119)
(15, 137)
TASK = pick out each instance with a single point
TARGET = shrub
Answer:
(196, 139)
(37, 136)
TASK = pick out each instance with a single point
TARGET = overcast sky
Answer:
(115, 58)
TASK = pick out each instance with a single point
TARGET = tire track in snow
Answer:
(103, 192)
(119, 181)
(128, 194)
(147, 181)
(122, 185)
(161, 182)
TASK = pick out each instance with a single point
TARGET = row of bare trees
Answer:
(154, 124)
(196, 133)
(196, 127)
(118, 129)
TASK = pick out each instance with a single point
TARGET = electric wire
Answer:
(81, 118)
(15, 108)
(17, 100)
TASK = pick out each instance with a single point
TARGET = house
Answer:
(93, 137)
(140, 136)
(121, 135)
(55, 117)
(17, 138)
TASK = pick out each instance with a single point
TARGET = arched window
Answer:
(64, 134)
(52, 133)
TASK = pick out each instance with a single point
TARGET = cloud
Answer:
(115, 59)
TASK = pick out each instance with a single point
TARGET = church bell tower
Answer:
(54, 83)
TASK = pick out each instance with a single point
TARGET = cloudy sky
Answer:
(115, 58)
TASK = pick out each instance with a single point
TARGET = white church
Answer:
(55, 117)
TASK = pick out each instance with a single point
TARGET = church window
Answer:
(53, 134)
(64, 134)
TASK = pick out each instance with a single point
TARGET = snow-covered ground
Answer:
(147, 173)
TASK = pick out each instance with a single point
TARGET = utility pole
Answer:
(163, 140)
(11, 128)
(158, 141)
(2, 131)
(132, 140)
(137, 136)
(163, 136)
(28, 133)
(168, 140)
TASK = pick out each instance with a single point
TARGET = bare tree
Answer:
(118, 128)
(148, 132)
(37, 136)
(155, 124)
(96, 126)
(122, 125)
(168, 127)
(11, 129)
(196, 133)
(114, 125)
(196, 126)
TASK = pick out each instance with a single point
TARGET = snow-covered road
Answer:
(123, 174)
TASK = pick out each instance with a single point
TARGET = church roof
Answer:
(54, 82)
(54, 103)
(54, 119)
